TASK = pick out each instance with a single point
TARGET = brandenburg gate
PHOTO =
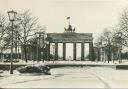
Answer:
(70, 36)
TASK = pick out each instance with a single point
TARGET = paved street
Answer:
(70, 77)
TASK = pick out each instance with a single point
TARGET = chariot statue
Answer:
(69, 29)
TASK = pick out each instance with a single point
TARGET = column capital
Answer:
(91, 52)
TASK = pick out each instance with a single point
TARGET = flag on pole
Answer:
(68, 17)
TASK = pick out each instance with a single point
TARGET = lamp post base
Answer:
(11, 70)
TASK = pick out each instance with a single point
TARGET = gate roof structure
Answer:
(70, 37)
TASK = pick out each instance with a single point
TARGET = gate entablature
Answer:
(70, 37)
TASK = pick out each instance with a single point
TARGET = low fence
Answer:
(79, 65)
(53, 65)
(7, 66)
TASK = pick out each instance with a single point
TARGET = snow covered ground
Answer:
(69, 77)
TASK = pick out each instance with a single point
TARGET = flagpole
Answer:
(69, 21)
(68, 18)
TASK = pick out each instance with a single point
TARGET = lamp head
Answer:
(12, 15)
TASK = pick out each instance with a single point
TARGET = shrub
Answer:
(21, 69)
(34, 69)
(46, 69)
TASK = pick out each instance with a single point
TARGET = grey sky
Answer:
(86, 15)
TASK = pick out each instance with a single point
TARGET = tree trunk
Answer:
(25, 53)
(109, 53)
(2, 57)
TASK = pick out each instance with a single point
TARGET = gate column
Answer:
(82, 51)
(56, 51)
(91, 52)
(74, 51)
(64, 51)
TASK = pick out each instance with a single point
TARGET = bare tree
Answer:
(3, 25)
(27, 26)
(105, 37)
(106, 40)
(123, 26)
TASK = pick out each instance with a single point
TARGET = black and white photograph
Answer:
(63, 44)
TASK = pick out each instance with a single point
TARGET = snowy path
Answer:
(61, 78)
(71, 77)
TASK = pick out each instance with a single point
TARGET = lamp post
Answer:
(12, 17)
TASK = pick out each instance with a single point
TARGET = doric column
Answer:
(56, 51)
(74, 51)
(82, 51)
(64, 51)
(91, 52)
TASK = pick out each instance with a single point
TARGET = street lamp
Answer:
(12, 17)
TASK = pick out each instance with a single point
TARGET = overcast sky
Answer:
(86, 15)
